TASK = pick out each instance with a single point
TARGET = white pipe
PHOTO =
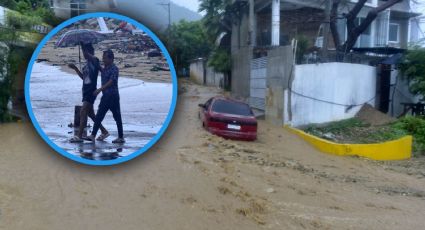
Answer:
(275, 22)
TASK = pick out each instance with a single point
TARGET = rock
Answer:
(270, 190)
(128, 65)
(329, 136)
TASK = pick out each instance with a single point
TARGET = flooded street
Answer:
(276, 182)
(54, 94)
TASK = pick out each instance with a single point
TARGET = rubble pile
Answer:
(132, 44)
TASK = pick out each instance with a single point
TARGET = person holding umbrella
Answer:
(88, 74)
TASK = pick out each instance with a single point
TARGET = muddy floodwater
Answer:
(55, 93)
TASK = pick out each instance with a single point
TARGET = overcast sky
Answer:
(190, 4)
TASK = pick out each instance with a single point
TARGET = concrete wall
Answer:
(197, 71)
(241, 71)
(202, 74)
(401, 92)
(279, 69)
(213, 78)
(342, 83)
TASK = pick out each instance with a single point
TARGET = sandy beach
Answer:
(194, 180)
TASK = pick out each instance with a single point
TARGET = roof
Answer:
(380, 50)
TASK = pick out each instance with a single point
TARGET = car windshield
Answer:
(231, 107)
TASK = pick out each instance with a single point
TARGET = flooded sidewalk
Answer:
(55, 93)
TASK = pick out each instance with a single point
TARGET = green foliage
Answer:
(336, 127)
(5, 86)
(34, 10)
(302, 46)
(10, 4)
(23, 6)
(356, 131)
(188, 41)
(22, 22)
(48, 16)
(413, 68)
(414, 126)
(221, 60)
(219, 17)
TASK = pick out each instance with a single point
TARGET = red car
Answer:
(228, 118)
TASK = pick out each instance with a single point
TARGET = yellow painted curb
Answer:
(400, 149)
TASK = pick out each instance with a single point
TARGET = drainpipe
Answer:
(275, 22)
(252, 29)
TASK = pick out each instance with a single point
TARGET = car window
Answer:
(231, 107)
(207, 104)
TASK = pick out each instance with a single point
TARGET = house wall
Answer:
(241, 71)
(201, 73)
(279, 70)
(342, 83)
(213, 78)
(197, 71)
(241, 52)
(400, 93)
(62, 7)
(403, 33)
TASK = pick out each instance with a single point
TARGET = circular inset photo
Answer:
(101, 89)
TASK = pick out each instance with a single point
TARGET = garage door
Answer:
(258, 83)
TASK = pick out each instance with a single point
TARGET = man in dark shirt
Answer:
(110, 97)
(89, 75)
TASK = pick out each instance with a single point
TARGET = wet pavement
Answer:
(54, 94)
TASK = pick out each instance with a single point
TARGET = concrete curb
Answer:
(400, 149)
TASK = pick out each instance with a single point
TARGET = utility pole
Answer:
(169, 18)
(326, 29)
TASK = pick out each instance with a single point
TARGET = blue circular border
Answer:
(77, 158)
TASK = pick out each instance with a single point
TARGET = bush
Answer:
(22, 22)
(413, 68)
(414, 126)
(221, 60)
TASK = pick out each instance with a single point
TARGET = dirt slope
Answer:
(193, 180)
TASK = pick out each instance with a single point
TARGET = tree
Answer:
(220, 15)
(11, 4)
(413, 68)
(354, 30)
(217, 17)
(189, 40)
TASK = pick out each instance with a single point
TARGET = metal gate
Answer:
(257, 96)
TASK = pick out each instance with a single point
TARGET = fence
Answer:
(202, 74)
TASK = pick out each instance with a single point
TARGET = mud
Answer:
(194, 180)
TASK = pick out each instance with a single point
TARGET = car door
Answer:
(204, 111)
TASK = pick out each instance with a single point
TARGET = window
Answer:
(78, 7)
(231, 107)
(365, 39)
(372, 3)
(394, 32)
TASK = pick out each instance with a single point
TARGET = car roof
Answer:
(229, 99)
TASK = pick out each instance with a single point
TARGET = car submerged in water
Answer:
(228, 118)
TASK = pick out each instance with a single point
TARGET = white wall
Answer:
(197, 73)
(213, 78)
(2, 15)
(342, 83)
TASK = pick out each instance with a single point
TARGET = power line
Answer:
(330, 102)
